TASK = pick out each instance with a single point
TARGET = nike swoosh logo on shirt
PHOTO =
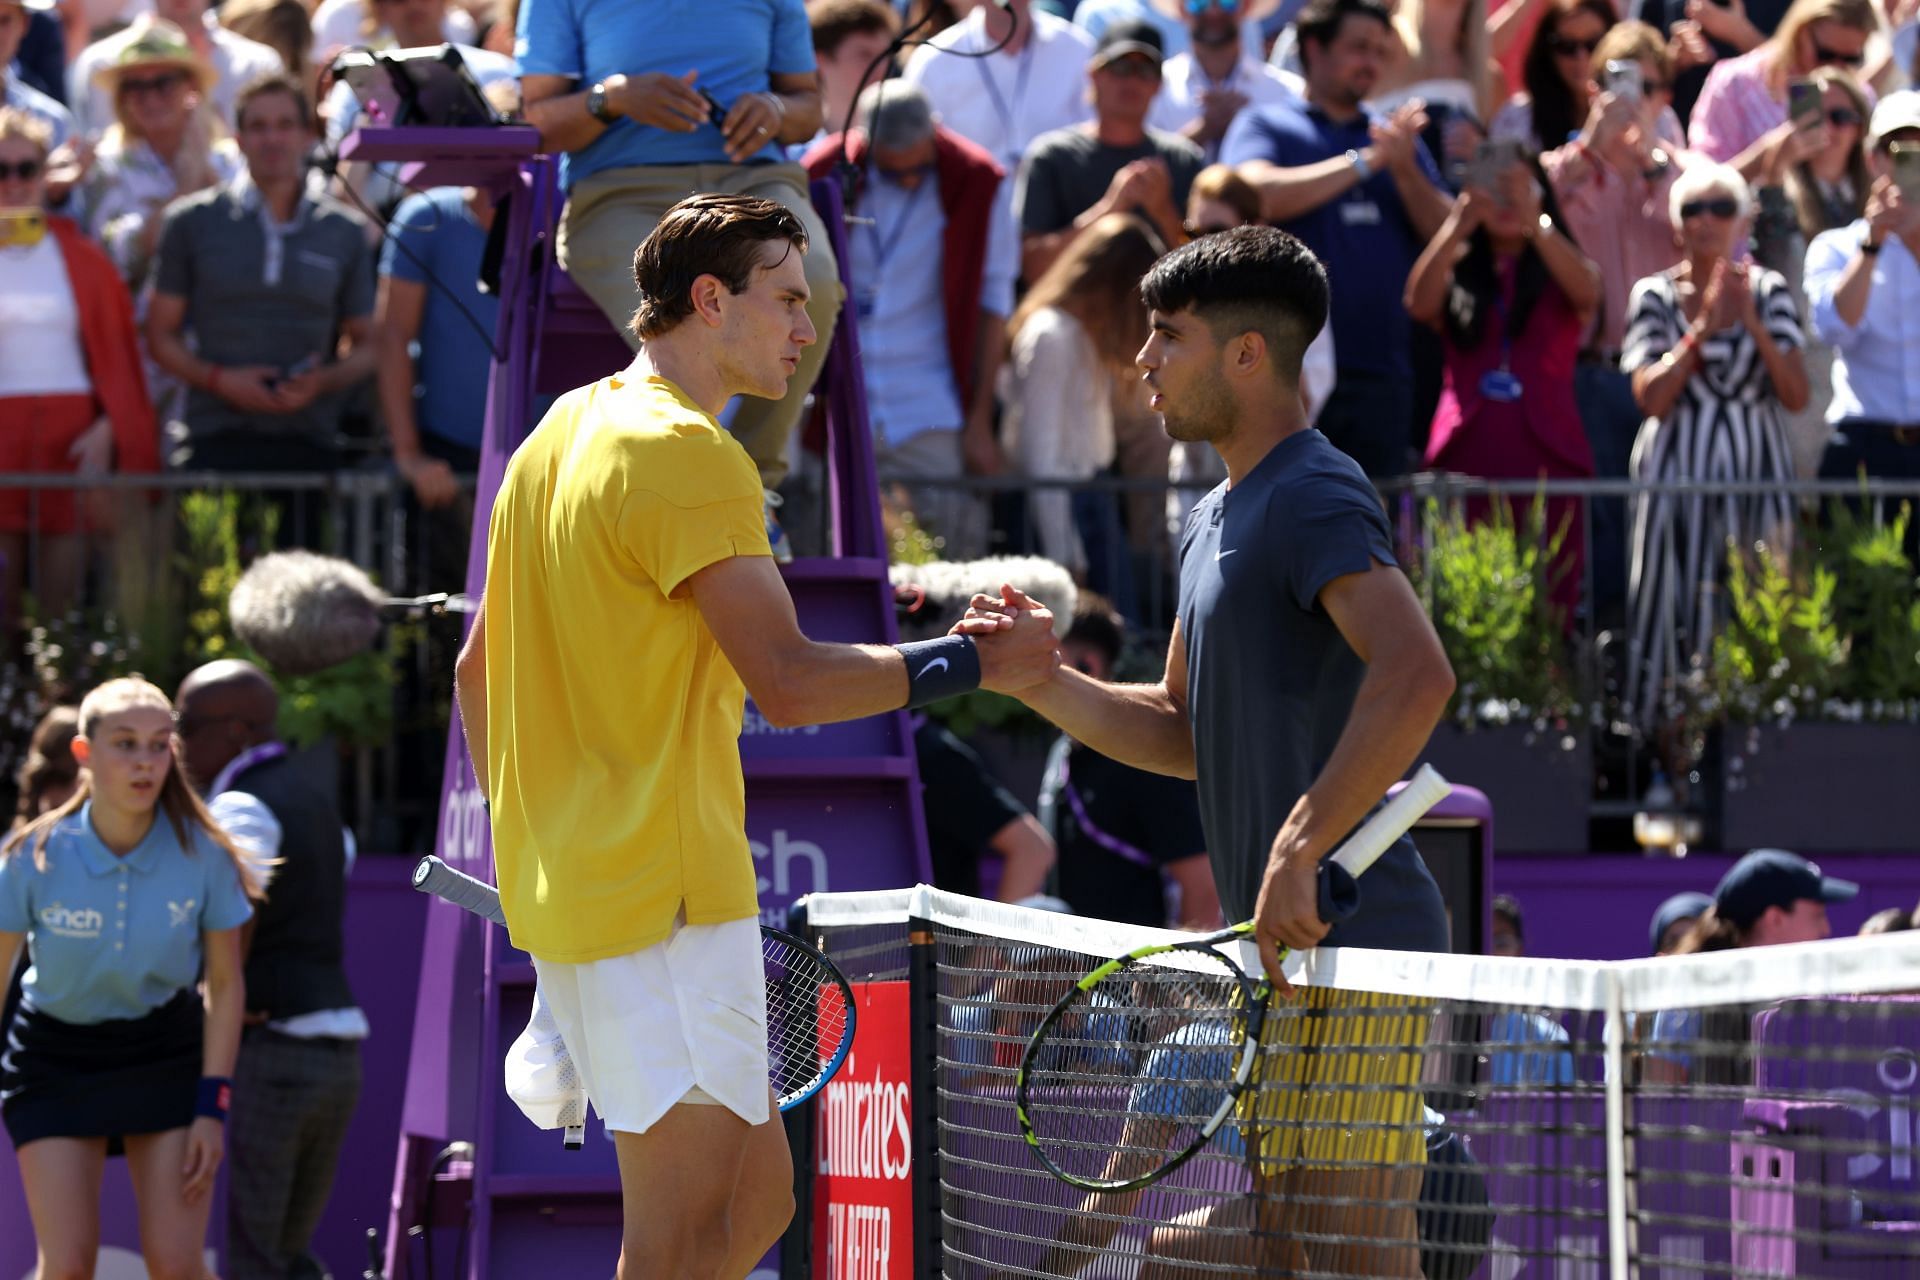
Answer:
(1222, 555)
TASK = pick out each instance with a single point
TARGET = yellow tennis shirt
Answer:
(613, 719)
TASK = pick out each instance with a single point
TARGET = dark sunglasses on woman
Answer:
(1722, 207)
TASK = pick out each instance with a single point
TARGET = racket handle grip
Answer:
(462, 890)
(1339, 894)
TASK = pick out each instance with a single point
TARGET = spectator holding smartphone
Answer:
(1799, 199)
(1510, 293)
(1612, 179)
(1559, 75)
(1863, 287)
(1741, 117)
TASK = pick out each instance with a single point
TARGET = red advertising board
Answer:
(863, 1148)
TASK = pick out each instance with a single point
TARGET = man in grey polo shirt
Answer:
(276, 286)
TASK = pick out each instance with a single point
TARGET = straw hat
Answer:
(156, 45)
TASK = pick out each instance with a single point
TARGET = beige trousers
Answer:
(611, 212)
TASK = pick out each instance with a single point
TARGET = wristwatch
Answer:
(1361, 168)
(597, 103)
(1867, 245)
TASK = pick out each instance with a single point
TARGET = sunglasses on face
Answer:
(151, 84)
(20, 170)
(1825, 57)
(1843, 117)
(1132, 69)
(1723, 207)
(1201, 6)
(1564, 48)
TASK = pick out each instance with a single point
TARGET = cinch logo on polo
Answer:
(66, 922)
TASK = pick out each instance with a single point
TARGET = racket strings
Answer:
(1133, 1069)
(808, 1017)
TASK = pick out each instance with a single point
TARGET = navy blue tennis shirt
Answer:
(1271, 681)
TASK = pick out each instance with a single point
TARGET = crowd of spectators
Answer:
(1566, 239)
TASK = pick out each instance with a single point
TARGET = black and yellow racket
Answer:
(1140, 1064)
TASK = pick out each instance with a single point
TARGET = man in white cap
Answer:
(1863, 289)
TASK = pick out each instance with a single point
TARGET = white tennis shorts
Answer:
(687, 1016)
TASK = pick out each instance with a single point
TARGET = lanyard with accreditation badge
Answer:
(884, 246)
(1009, 112)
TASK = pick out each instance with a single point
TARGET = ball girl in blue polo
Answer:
(130, 900)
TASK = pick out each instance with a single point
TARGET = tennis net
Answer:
(1744, 1114)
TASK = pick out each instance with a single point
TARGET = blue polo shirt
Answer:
(436, 237)
(1363, 236)
(1271, 680)
(112, 937)
(735, 45)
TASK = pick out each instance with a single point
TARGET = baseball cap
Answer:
(1681, 906)
(1895, 112)
(1130, 37)
(1774, 878)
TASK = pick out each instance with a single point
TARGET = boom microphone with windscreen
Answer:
(303, 612)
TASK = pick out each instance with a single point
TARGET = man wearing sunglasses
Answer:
(1203, 89)
(1863, 289)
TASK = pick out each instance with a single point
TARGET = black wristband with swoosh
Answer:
(942, 668)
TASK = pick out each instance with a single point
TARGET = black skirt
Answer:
(104, 1079)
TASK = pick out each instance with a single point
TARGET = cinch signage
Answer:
(863, 1149)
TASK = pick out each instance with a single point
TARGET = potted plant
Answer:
(1515, 728)
(1817, 677)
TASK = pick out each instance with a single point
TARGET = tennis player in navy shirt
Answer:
(1302, 680)
(126, 896)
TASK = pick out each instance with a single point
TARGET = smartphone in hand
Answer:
(22, 228)
(1803, 103)
(1624, 78)
(1905, 157)
(716, 113)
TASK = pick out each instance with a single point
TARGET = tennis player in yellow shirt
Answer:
(631, 602)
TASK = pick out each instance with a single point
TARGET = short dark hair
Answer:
(1249, 278)
(1507, 907)
(264, 86)
(833, 21)
(1319, 22)
(1098, 623)
(705, 235)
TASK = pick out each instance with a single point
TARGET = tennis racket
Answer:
(810, 1010)
(1166, 1036)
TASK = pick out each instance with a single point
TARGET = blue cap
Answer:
(1681, 906)
(1774, 878)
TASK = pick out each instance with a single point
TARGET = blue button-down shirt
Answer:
(1876, 365)
(116, 937)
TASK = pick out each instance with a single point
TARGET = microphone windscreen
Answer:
(303, 612)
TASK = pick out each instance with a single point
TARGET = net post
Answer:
(796, 1245)
(1619, 1251)
(924, 1045)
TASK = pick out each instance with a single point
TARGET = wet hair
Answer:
(705, 235)
(1256, 279)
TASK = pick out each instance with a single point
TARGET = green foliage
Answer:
(1876, 604)
(1781, 650)
(907, 542)
(1488, 586)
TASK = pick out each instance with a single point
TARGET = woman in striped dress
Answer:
(1714, 350)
